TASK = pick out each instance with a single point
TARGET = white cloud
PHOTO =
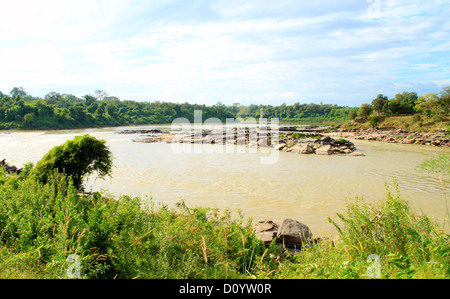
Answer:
(225, 51)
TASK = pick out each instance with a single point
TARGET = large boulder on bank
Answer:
(293, 233)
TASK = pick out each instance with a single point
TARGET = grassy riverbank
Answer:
(41, 225)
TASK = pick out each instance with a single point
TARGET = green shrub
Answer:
(374, 121)
(341, 141)
(77, 158)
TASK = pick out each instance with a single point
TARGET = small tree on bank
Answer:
(76, 158)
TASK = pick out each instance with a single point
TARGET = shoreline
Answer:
(437, 139)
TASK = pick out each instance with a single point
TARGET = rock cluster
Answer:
(290, 139)
(291, 234)
(401, 136)
(319, 145)
(10, 168)
(140, 132)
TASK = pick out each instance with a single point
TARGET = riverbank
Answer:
(124, 238)
(397, 129)
(441, 139)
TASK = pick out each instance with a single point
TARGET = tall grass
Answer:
(42, 224)
(408, 242)
(121, 238)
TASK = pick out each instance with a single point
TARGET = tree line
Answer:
(20, 110)
(432, 106)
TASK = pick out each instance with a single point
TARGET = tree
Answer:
(380, 104)
(52, 98)
(406, 102)
(365, 110)
(444, 100)
(76, 158)
(100, 94)
(18, 91)
(89, 100)
(423, 106)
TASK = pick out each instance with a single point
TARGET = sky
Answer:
(249, 52)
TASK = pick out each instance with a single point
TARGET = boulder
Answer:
(306, 149)
(303, 149)
(324, 150)
(295, 149)
(280, 146)
(325, 139)
(293, 233)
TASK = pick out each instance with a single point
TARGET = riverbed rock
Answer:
(325, 140)
(357, 154)
(303, 149)
(301, 141)
(324, 150)
(306, 149)
(280, 146)
(293, 233)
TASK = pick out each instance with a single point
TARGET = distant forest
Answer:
(20, 110)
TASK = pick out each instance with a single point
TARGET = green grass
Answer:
(41, 225)
(439, 165)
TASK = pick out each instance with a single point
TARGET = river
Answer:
(308, 188)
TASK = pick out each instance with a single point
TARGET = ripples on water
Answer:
(305, 187)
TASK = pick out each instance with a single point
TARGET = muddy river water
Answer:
(308, 188)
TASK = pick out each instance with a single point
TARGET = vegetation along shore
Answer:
(46, 218)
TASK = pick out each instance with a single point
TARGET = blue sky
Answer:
(249, 52)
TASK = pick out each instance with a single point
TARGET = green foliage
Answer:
(58, 111)
(365, 110)
(439, 164)
(77, 158)
(374, 121)
(123, 238)
(391, 229)
(42, 224)
(430, 105)
(341, 141)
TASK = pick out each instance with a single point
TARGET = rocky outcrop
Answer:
(165, 137)
(299, 140)
(399, 136)
(141, 132)
(291, 235)
(10, 168)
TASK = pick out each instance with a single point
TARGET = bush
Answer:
(77, 158)
(374, 121)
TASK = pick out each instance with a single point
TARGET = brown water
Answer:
(308, 188)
